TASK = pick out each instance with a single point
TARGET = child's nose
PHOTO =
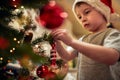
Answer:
(83, 19)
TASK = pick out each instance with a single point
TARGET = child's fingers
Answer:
(57, 32)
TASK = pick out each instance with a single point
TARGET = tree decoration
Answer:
(18, 48)
(8, 7)
(49, 73)
(26, 3)
(13, 71)
(42, 71)
(55, 67)
(52, 15)
(53, 55)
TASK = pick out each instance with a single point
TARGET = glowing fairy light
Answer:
(15, 39)
(11, 51)
(15, 5)
(17, 10)
(22, 7)
(13, 48)
(1, 58)
(18, 42)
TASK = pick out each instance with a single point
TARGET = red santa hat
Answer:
(104, 6)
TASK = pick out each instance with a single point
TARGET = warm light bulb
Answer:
(11, 51)
(13, 48)
(14, 39)
(22, 7)
(18, 42)
(1, 58)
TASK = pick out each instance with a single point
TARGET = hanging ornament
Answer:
(53, 56)
(42, 71)
(48, 73)
(52, 15)
(52, 68)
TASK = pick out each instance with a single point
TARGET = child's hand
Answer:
(63, 35)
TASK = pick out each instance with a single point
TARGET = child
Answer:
(97, 51)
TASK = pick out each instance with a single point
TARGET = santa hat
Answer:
(104, 6)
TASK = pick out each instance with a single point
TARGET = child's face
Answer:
(90, 18)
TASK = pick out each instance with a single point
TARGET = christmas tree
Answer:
(23, 56)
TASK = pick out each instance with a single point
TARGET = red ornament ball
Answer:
(50, 76)
(42, 71)
(52, 15)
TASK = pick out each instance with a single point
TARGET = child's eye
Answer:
(79, 17)
(87, 11)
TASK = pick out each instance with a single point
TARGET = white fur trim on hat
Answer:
(98, 5)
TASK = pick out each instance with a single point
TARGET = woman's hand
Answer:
(63, 35)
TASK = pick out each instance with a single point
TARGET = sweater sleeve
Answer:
(113, 40)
